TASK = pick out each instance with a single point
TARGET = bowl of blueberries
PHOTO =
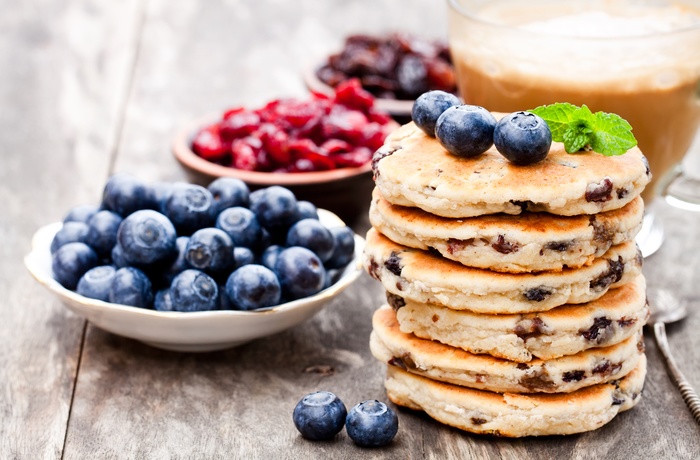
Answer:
(187, 268)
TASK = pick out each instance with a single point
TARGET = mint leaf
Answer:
(613, 135)
(578, 128)
(575, 140)
(558, 116)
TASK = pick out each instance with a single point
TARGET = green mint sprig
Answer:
(580, 129)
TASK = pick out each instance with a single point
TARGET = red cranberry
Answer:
(350, 94)
(208, 144)
(354, 159)
(239, 125)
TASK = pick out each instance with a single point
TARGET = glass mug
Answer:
(638, 59)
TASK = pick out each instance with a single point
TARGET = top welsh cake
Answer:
(413, 169)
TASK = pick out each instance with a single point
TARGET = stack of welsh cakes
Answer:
(515, 294)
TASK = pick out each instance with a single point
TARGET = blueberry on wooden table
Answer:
(465, 130)
(523, 138)
(319, 416)
(371, 423)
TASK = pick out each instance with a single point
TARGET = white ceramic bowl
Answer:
(191, 332)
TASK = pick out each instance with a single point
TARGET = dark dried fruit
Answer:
(598, 329)
(399, 66)
(380, 155)
(559, 246)
(531, 327)
(538, 294)
(478, 421)
(573, 376)
(626, 322)
(395, 301)
(614, 274)
(606, 368)
(505, 247)
(537, 381)
(405, 361)
(600, 192)
(621, 193)
(393, 263)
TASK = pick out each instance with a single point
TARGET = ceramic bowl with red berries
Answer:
(319, 147)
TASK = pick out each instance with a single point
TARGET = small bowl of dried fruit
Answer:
(320, 148)
(395, 69)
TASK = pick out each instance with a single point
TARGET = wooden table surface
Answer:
(88, 88)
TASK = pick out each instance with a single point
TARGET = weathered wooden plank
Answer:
(132, 401)
(64, 67)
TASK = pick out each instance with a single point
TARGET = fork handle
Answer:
(689, 395)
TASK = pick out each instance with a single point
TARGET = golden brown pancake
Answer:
(506, 243)
(428, 278)
(516, 415)
(413, 169)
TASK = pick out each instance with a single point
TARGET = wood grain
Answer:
(64, 69)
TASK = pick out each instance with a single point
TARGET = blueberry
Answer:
(70, 232)
(96, 282)
(210, 250)
(70, 262)
(241, 225)
(147, 237)
(428, 108)
(300, 272)
(229, 192)
(270, 255)
(465, 130)
(163, 301)
(242, 256)
(131, 286)
(252, 287)
(371, 423)
(189, 207)
(124, 194)
(311, 234)
(157, 195)
(344, 248)
(523, 138)
(102, 232)
(118, 259)
(178, 264)
(306, 210)
(319, 416)
(193, 290)
(275, 207)
(81, 213)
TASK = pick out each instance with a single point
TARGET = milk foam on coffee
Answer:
(552, 38)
